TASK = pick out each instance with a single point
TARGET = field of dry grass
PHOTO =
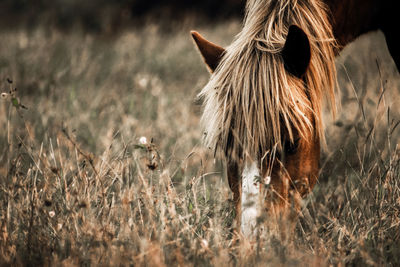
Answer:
(77, 187)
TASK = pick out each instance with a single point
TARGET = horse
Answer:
(262, 104)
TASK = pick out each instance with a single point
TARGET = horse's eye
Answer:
(291, 147)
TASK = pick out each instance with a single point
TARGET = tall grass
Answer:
(78, 186)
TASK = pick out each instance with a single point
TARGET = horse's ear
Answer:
(210, 52)
(296, 53)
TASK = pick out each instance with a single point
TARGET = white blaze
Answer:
(249, 199)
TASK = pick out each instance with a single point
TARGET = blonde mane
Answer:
(251, 99)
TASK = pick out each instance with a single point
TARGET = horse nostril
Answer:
(291, 147)
(302, 185)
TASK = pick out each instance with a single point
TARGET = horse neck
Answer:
(351, 18)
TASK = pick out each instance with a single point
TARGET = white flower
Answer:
(143, 140)
(204, 243)
(267, 180)
(143, 82)
(51, 214)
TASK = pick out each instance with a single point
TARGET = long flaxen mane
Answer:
(251, 99)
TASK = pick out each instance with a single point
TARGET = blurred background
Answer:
(111, 16)
(108, 69)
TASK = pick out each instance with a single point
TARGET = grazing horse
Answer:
(262, 104)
